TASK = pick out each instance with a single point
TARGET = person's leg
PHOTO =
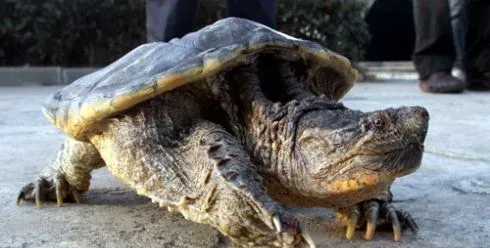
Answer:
(168, 19)
(262, 11)
(434, 50)
(477, 53)
(458, 23)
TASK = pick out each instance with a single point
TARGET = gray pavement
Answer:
(449, 195)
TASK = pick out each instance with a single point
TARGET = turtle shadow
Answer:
(115, 196)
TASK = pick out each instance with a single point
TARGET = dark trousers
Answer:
(476, 58)
(168, 19)
(435, 49)
(458, 24)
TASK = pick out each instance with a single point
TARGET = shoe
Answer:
(442, 82)
(479, 82)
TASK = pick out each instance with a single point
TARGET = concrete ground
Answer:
(449, 195)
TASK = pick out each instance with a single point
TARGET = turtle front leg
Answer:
(66, 178)
(203, 173)
(377, 212)
(236, 202)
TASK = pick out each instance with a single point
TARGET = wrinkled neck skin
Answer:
(273, 141)
(268, 129)
(313, 151)
(290, 178)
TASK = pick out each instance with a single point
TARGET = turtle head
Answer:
(343, 148)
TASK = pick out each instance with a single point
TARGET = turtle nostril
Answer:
(422, 113)
(423, 134)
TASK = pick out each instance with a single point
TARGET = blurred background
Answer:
(93, 33)
(54, 42)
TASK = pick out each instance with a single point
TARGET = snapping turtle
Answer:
(228, 124)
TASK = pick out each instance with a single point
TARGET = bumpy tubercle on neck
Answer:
(267, 128)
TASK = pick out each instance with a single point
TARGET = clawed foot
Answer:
(49, 188)
(288, 227)
(375, 214)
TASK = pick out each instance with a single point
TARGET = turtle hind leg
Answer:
(67, 177)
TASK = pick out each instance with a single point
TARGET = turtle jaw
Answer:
(396, 163)
(396, 148)
(364, 176)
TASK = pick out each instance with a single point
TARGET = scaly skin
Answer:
(317, 153)
(193, 166)
(205, 154)
(67, 177)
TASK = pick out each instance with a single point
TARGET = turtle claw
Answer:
(22, 195)
(277, 223)
(397, 229)
(408, 220)
(375, 214)
(399, 220)
(59, 195)
(76, 195)
(353, 219)
(52, 188)
(305, 235)
(290, 229)
(372, 219)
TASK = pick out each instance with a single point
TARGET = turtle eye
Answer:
(381, 122)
